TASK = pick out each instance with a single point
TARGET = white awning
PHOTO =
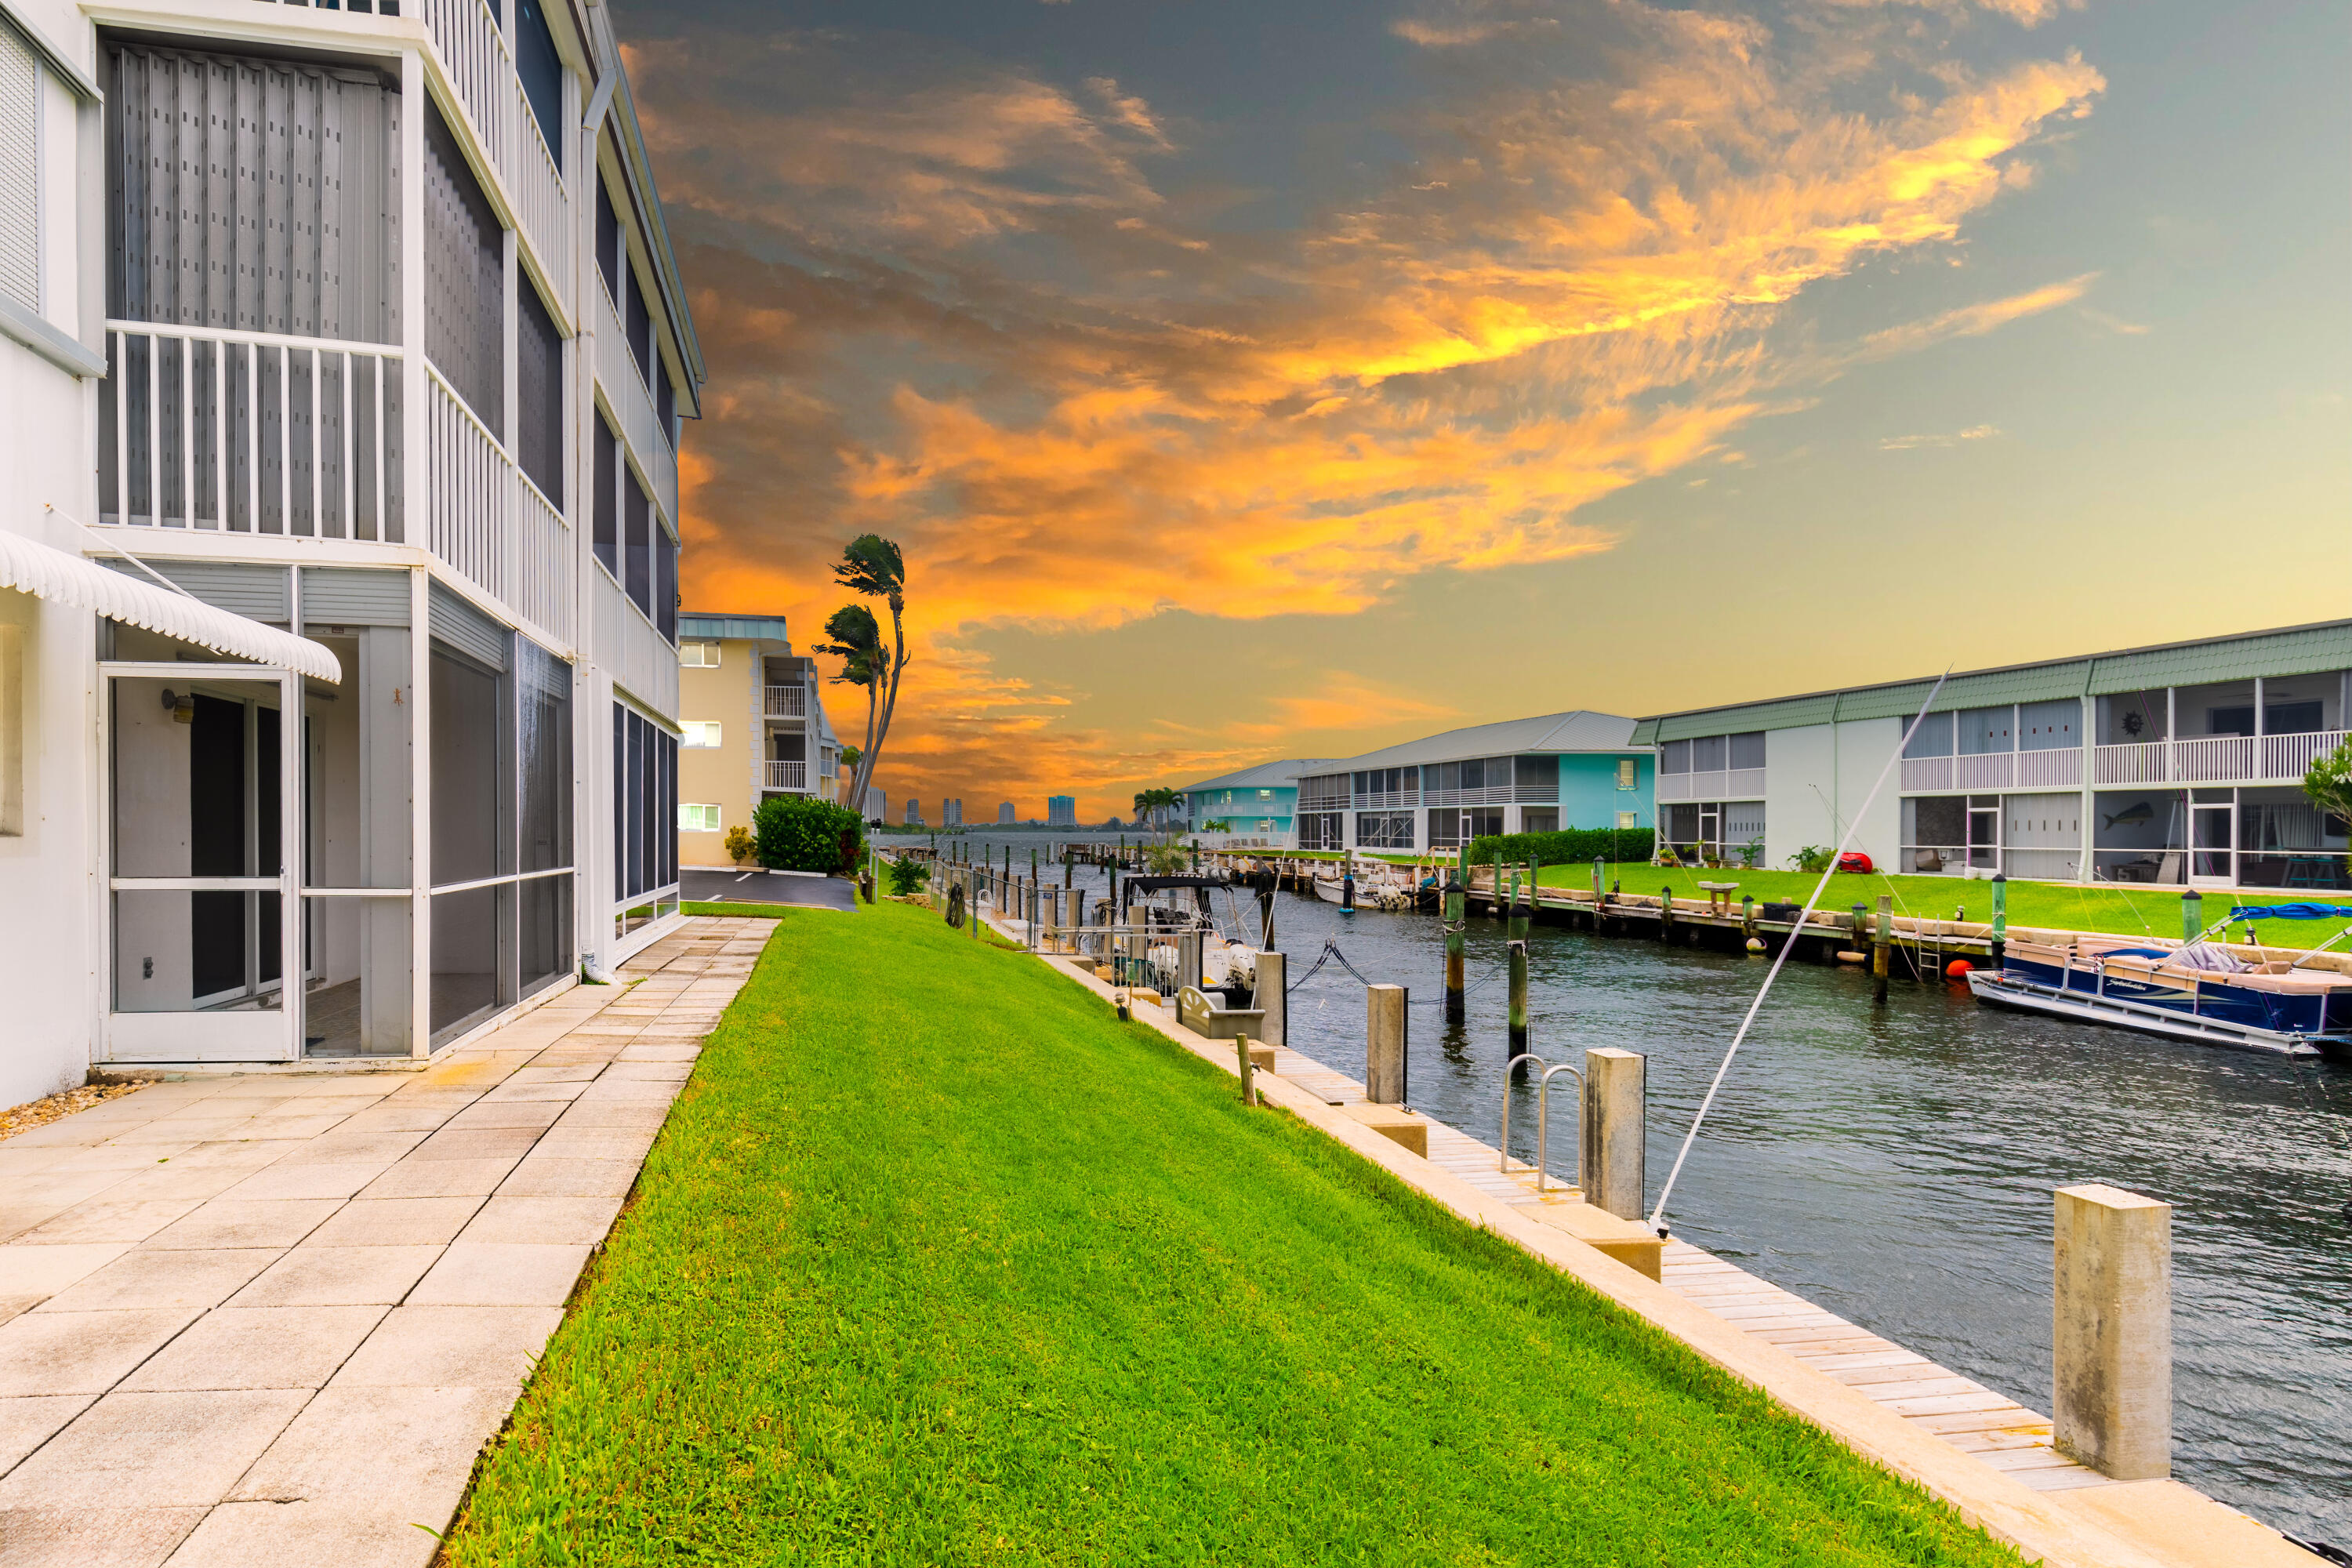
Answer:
(53, 575)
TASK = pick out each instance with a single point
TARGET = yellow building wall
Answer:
(724, 777)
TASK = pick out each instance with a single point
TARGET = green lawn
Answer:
(2132, 911)
(936, 1262)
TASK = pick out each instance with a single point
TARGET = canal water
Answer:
(1895, 1164)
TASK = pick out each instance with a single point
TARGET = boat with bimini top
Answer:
(2252, 998)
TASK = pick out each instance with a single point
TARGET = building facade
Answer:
(2178, 766)
(1005, 814)
(342, 357)
(951, 813)
(1257, 807)
(752, 725)
(1523, 775)
(1061, 811)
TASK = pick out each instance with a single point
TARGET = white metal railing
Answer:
(787, 776)
(489, 521)
(1713, 784)
(2215, 759)
(2059, 767)
(631, 406)
(470, 488)
(251, 432)
(1388, 800)
(545, 561)
(1984, 770)
(1920, 773)
(472, 49)
(787, 703)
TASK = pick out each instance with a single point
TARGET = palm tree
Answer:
(872, 565)
(1154, 804)
(858, 643)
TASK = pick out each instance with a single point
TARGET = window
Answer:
(607, 508)
(701, 734)
(1674, 757)
(639, 542)
(664, 580)
(20, 179)
(1629, 772)
(699, 655)
(538, 393)
(1629, 819)
(1266, 795)
(645, 813)
(465, 278)
(1384, 829)
(609, 248)
(1933, 738)
(694, 818)
(1707, 754)
(639, 320)
(664, 400)
(1747, 749)
(541, 70)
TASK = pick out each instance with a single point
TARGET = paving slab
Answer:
(261, 1278)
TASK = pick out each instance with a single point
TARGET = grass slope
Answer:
(2128, 911)
(936, 1262)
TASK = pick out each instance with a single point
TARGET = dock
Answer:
(1958, 1411)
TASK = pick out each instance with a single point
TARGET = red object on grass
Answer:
(1856, 860)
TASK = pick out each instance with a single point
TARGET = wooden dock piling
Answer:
(1457, 914)
(1518, 1017)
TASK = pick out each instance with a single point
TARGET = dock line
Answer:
(1658, 1214)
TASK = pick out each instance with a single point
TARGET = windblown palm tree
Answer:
(858, 643)
(1154, 805)
(872, 565)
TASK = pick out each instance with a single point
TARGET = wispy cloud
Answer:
(1951, 439)
(986, 314)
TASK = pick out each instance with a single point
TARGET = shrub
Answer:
(802, 833)
(1813, 859)
(739, 844)
(908, 877)
(1569, 845)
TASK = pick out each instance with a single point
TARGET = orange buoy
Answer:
(1957, 969)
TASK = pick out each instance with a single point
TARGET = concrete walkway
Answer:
(272, 1319)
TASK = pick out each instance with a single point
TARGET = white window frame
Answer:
(715, 817)
(700, 646)
(688, 729)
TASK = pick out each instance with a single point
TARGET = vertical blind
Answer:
(20, 169)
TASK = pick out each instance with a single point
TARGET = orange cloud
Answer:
(985, 314)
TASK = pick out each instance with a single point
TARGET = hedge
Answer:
(802, 833)
(1569, 846)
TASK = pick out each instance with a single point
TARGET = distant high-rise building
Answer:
(878, 806)
(1061, 811)
(1004, 814)
(950, 814)
(914, 812)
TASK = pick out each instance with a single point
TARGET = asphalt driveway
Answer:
(757, 887)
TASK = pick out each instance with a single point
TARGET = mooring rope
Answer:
(1658, 1215)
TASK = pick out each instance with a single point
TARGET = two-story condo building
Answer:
(1522, 775)
(753, 715)
(2178, 765)
(345, 356)
(1257, 808)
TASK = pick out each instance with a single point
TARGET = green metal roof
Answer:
(2294, 651)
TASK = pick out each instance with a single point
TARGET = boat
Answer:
(2198, 990)
(1380, 885)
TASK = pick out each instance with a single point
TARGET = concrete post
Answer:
(2113, 1321)
(1188, 959)
(1384, 1044)
(1609, 1151)
(1269, 997)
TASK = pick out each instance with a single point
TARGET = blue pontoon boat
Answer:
(2249, 997)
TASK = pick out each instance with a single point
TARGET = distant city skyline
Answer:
(1061, 811)
(1004, 817)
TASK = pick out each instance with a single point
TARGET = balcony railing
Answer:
(490, 522)
(474, 49)
(2215, 759)
(787, 703)
(2058, 768)
(251, 433)
(1713, 784)
(787, 776)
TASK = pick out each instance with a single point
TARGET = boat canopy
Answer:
(2292, 912)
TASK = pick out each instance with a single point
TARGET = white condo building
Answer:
(344, 355)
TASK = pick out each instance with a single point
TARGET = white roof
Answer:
(59, 578)
(1580, 730)
(1266, 775)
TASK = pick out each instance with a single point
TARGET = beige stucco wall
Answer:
(724, 777)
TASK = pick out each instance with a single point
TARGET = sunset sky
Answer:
(1250, 380)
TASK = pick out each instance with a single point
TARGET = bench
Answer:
(1209, 1016)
